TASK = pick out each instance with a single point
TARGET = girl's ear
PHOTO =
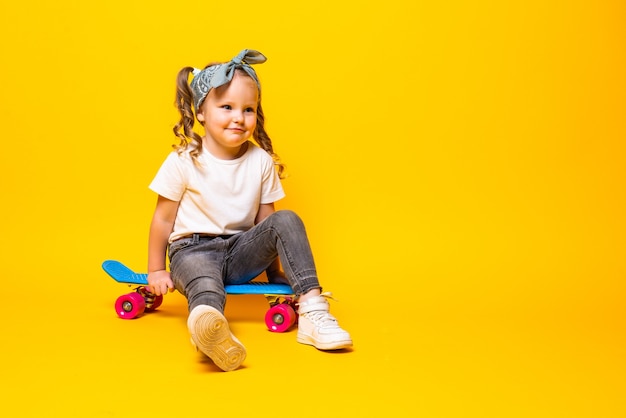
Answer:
(200, 117)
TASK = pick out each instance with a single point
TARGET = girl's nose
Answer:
(237, 117)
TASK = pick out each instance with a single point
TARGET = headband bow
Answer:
(220, 74)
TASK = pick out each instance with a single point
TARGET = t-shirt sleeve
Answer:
(169, 181)
(271, 189)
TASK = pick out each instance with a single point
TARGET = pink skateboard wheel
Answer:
(279, 318)
(130, 306)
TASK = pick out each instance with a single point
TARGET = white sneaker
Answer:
(211, 335)
(317, 327)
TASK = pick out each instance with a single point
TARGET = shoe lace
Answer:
(328, 295)
(322, 318)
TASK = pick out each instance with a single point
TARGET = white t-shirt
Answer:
(219, 197)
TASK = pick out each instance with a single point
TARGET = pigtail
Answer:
(265, 142)
(184, 128)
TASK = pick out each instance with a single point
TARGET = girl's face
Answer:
(229, 116)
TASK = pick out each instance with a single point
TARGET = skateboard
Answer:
(279, 318)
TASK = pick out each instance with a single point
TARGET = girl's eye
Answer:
(227, 107)
(250, 109)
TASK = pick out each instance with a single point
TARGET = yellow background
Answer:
(459, 166)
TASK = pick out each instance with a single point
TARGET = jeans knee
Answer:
(287, 218)
(205, 291)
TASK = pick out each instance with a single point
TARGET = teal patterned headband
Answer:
(220, 74)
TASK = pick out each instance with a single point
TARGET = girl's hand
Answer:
(160, 282)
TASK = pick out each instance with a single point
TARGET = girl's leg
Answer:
(196, 266)
(283, 234)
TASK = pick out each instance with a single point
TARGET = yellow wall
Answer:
(459, 166)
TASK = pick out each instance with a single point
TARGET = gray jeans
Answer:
(202, 265)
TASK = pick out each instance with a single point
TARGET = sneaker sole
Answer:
(336, 345)
(212, 336)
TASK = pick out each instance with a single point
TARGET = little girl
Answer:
(215, 213)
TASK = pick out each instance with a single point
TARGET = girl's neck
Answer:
(224, 153)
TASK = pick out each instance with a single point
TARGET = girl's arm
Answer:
(160, 228)
(265, 210)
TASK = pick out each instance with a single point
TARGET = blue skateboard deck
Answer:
(279, 318)
(122, 274)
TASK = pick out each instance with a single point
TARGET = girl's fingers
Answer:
(161, 288)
